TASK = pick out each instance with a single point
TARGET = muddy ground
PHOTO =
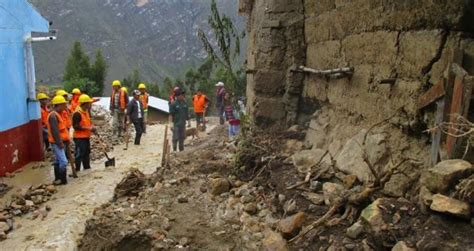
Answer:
(233, 195)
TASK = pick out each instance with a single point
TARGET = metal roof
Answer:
(154, 102)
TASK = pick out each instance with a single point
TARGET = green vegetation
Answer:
(79, 73)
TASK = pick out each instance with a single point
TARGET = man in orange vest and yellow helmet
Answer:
(66, 113)
(200, 102)
(118, 104)
(76, 93)
(83, 129)
(144, 97)
(43, 99)
(58, 137)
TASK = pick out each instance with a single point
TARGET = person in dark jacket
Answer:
(135, 114)
(178, 117)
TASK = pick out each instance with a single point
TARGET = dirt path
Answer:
(73, 204)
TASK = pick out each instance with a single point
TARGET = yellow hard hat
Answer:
(41, 96)
(142, 86)
(76, 91)
(61, 93)
(84, 98)
(116, 83)
(124, 89)
(58, 100)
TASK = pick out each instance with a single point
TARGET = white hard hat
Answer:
(220, 84)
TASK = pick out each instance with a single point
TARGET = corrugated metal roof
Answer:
(157, 103)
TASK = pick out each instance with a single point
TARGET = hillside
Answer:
(157, 37)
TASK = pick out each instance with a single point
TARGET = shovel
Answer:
(109, 161)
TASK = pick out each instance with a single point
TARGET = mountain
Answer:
(156, 37)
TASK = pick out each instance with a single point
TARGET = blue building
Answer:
(20, 126)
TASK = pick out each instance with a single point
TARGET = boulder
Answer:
(274, 242)
(331, 192)
(306, 160)
(397, 185)
(218, 186)
(445, 174)
(349, 181)
(4, 227)
(402, 246)
(355, 230)
(444, 204)
(351, 158)
(373, 216)
(290, 226)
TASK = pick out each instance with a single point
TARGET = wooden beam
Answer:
(433, 94)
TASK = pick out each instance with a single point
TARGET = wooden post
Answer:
(164, 154)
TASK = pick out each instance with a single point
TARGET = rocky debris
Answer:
(218, 186)
(373, 216)
(355, 230)
(274, 242)
(182, 198)
(317, 199)
(444, 204)
(130, 185)
(402, 246)
(332, 191)
(397, 185)
(4, 188)
(306, 160)
(251, 208)
(290, 226)
(442, 176)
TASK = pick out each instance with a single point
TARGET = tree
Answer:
(77, 65)
(99, 71)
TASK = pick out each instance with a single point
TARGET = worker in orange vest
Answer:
(66, 114)
(200, 102)
(144, 97)
(118, 104)
(58, 137)
(83, 129)
(43, 99)
(76, 93)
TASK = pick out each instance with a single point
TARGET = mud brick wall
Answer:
(409, 40)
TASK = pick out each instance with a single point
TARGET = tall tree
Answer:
(99, 71)
(77, 65)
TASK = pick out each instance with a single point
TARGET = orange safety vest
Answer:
(85, 122)
(74, 103)
(66, 116)
(199, 103)
(44, 116)
(144, 98)
(123, 103)
(63, 131)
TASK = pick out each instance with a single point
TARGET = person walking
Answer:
(118, 104)
(144, 97)
(178, 117)
(232, 116)
(135, 114)
(200, 103)
(58, 137)
(220, 93)
(83, 129)
(44, 99)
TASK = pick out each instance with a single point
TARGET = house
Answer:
(158, 109)
(20, 126)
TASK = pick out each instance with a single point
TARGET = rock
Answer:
(183, 241)
(38, 192)
(292, 146)
(158, 186)
(305, 160)
(317, 199)
(281, 198)
(425, 198)
(315, 185)
(251, 208)
(444, 204)
(294, 128)
(29, 203)
(290, 206)
(402, 246)
(349, 181)
(351, 161)
(274, 242)
(355, 230)
(397, 186)
(165, 224)
(203, 189)
(290, 226)
(4, 227)
(373, 216)
(218, 186)
(182, 198)
(445, 174)
(331, 192)
(247, 198)
(3, 236)
(4, 216)
(51, 189)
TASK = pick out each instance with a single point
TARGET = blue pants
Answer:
(60, 156)
(233, 130)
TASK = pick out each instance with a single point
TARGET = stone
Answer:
(402, 246)
(425, 196)
(446, 174)
(182, 198)
(158, 186)
(349, 181)
(355, 230)
(305, 160)
(218, 186)
(251, 208)
(293, 145)
(184, 241)
(317, 199)
(281, 198)
(247, 199)
(444, 204)
(373, 216)
(4, 227)
(4, 216)
(331, 192)
(290, 206)
(290, 226)
(315, 185)
(29, 203)
(397, 185)
(51, 189)
(274, 242)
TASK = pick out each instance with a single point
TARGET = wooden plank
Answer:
(436, 137)
(455, 110)
(433, 94)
